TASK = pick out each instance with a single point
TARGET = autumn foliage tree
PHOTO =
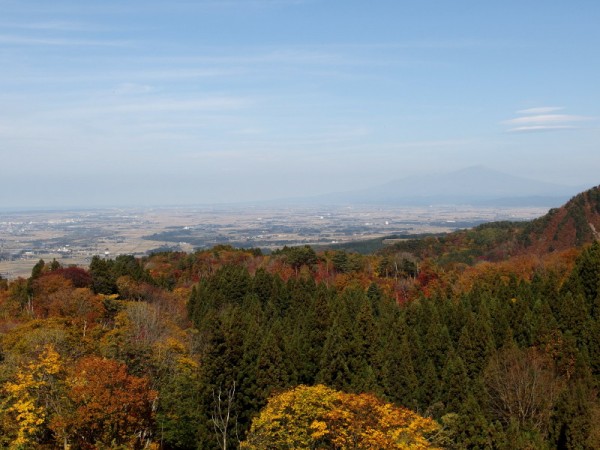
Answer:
(320, 417)
(30, 399)
(109, 406)
(504, 354)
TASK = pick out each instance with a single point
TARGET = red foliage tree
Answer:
(79, 277)
(108, 406)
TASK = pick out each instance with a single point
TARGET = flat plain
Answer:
(73, 237)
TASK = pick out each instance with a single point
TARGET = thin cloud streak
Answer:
(217, 103)
(140, 108)
(542, 128)
(434, 144)
(542, 119)
(47, 26)
(547, 118)
(148, 75)
(540, 110)
(149, 7)
(61, 42)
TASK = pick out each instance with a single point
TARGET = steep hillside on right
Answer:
(574, 224)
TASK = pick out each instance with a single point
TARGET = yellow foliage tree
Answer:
(28, 396)
(292, 419)
(319, 417)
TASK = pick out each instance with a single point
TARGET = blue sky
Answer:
(181, 102)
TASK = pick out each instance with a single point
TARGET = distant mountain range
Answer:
(477, 185)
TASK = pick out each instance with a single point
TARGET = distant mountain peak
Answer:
(477, 185)
(478, 168)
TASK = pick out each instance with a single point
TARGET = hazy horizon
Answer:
(546, 194)
(183, 103)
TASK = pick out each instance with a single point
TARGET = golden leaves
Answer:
(319, 417)
(25, 405)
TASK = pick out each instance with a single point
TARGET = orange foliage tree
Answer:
(108, 406)
(364, 421)
(320, 417)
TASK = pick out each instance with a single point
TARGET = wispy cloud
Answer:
(543, 118)
(209, 104)
(541, 110)
(144, 107)
(140, 76)
(134, 6)
(132, 89)
(238, 3)
(536, 128)
(47, 26)
(547, 119)
(62, 42)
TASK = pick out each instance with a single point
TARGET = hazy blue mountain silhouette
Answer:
(477, 185)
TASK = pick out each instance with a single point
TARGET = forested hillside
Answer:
(574, 224)
(226, 347)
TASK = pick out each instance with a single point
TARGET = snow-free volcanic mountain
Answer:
(475, 185)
